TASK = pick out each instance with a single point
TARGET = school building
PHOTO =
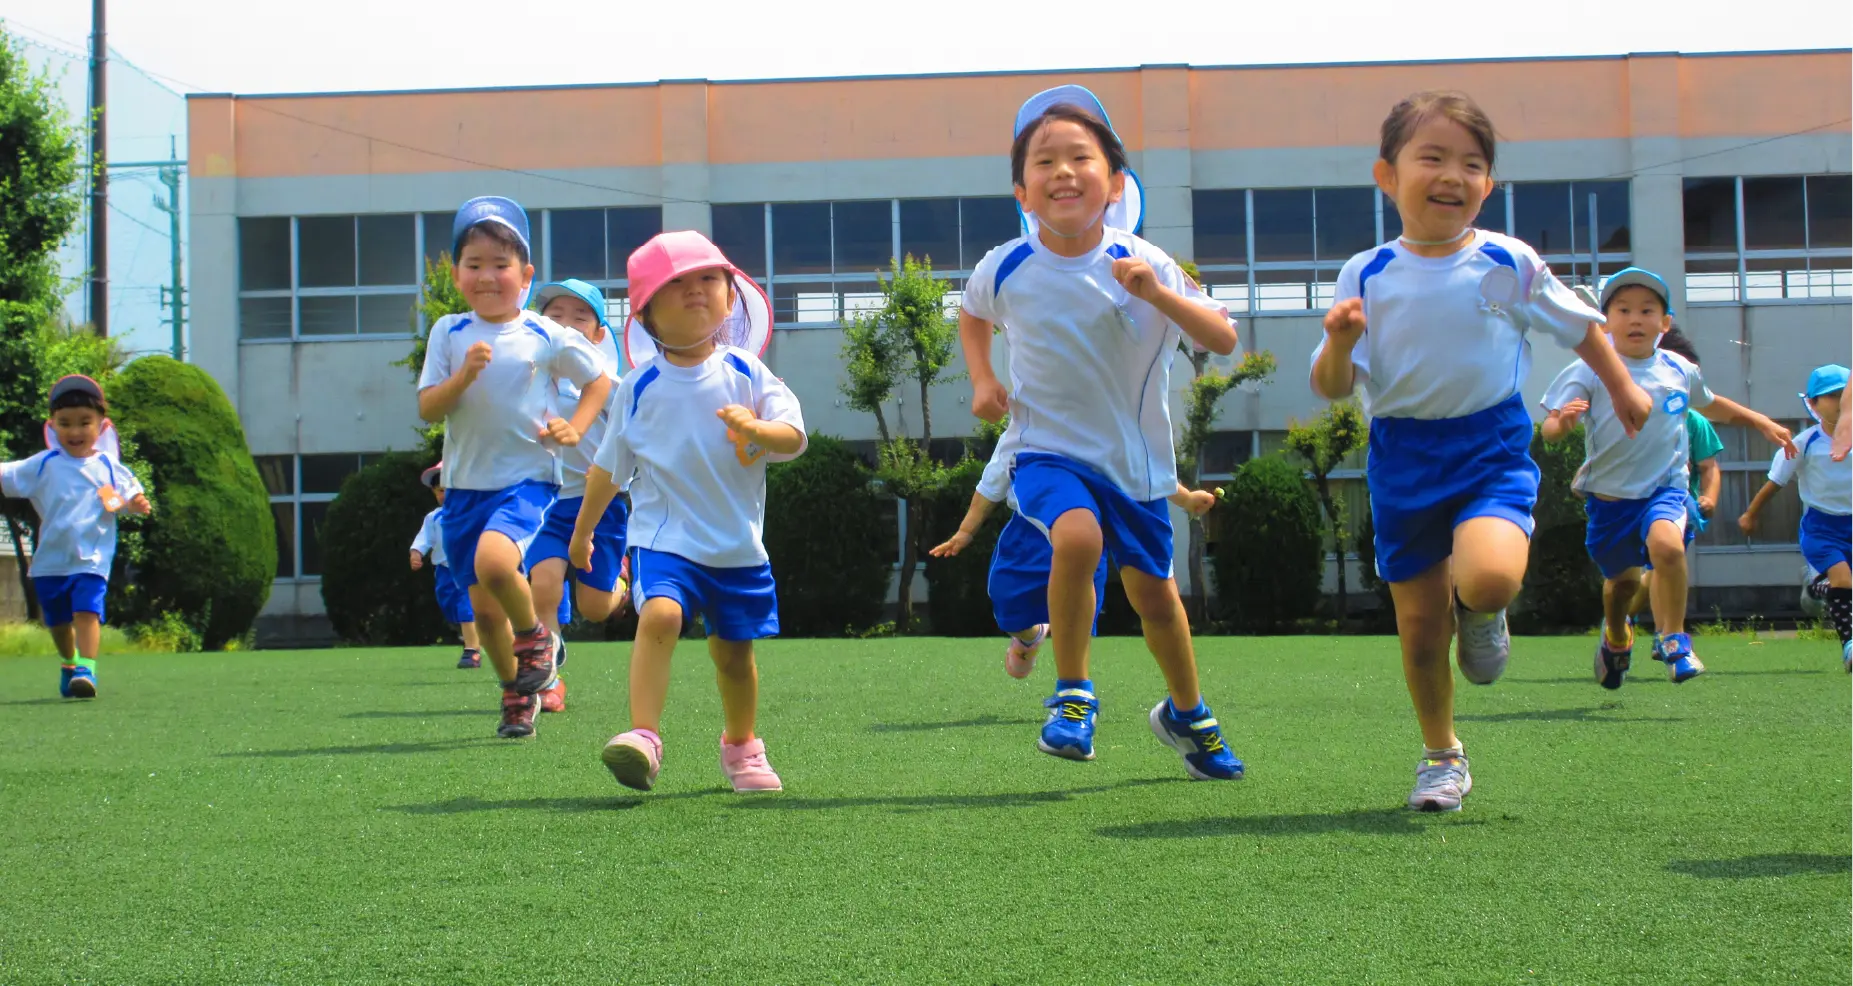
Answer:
(312, 214)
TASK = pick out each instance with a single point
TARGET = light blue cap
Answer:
(1829, 379)
(1636, 276)
(592, 296)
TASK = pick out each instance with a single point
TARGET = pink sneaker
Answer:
(1020, 658)
(634, 757)
(554, 699)
(746, 767)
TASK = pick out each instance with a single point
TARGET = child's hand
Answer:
(1706, 506)
(140, 505)
(1138, 278)
(561, 431)
(1344, 324)
(475, 360)
(580, 549)
(1633, 406)
(1569, 413)
(958, 542)
(1778, 435)
(739, 419)
(1195, 502)
(1747, 523)
(418, 560)
(989, 400)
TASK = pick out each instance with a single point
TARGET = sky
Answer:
(341, 45)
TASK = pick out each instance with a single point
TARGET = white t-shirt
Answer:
(492, 438)
(690, 493)
(1826, 485)
(1433, 346)
(77, 536)
(1631, 469)
(430, 539)
(564, 400)
(1090, 365)
(994, 484)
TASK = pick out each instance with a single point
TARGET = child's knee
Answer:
(1487, 590)
(594, 605)
(1076, 533)
(660, 615)
(1840, 576)
(1154, 599)
(1666, 545)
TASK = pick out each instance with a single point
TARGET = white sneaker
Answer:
(1483, 645)
(1441, 784)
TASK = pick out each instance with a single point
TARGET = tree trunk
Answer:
(910, 557)
(24, 562)
(1338, 543)
(1199, 601)
(881, 424)
(926, 423)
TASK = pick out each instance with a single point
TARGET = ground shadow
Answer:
(383, 714)
(433, 746)
(42, 701)
(924, 727)
(1727, 672)
(468, 805)
(1591, 714)
(1752, 867)
(906, 803)
(1363, 821)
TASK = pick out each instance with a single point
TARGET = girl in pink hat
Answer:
(692, 430)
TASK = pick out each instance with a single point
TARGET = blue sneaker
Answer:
(65, 673)
(561, 661)
(78, 682)
(1681, 664)
(1612, 662)
(1198, 740)
(1846, 655)
(1069, 733)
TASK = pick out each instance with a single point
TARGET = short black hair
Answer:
(1677, 343)
(79, 398)
(1103, 135)
(496, 233)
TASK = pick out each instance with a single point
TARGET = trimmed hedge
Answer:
(372, 595)
(958, 588)
(1269, 564)
(210, 549)
(1563, 589)
(830, 540)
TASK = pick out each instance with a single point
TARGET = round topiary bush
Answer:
(1269, 564)
(368, 587)
(831, 540)
(210, 549)
(1563, 588)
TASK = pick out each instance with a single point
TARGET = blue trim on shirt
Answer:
(1805, 446)
(45, 458)
(1375, 267)
(1499, 254)
(1118, 251)
(734, 360)
(460, 323)
(1011, 262)
(649, 377)
(530, 323)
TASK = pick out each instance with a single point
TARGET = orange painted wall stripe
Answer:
(963, 116)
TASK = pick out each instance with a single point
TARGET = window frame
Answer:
(1738, 290)
(295, 293)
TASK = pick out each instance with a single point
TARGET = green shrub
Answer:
(958, 587)
(1383, 618)
(1563, 589)
(831, 541)
(1270, 559)
(210, 549)
(372, 595)
(167, 633)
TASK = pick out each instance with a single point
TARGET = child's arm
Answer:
(1843, 428)
(1208, 326)
(961, 539)
(1193, 502)
(1711, 481)
(1334, 374)
(775, 422)
(989, 399)
(421, 544)
(1724, 411)
(776, 437)
(1632, 405)
(600, 490)
(592, 399)
(1748, 521)
(436, 400)
(1558, 424)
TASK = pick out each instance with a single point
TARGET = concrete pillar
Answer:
(1656, 198)
(684, 108)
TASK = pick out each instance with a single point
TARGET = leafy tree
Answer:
(437, 298)
(1325, 443)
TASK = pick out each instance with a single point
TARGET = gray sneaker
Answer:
(1483, 644)
(1440, 784)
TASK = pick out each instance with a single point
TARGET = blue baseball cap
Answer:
(490, 209)
(576, 288)
(1825, 380)
(1636, 276)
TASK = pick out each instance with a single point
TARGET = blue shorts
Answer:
(736, 603)
(453, 599)
(1428, 476)
(1695, 525)
(1617, 538)
(516, 513)
(607, 541)
(1137, 534)
(62, 595)
(1019, 582)
(1824, 539)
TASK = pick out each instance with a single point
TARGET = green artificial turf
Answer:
(348, 817)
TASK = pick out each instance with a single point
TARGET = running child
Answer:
(1707, 480)
(1636, 488)
(1826, 486)
(691, 434)
(428, 548)
(576, 305)
(1019, 578)
(1094, 315)
(488, 374)
(1434, 326)
(77, 485)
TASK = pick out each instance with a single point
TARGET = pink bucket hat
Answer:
(670, 255)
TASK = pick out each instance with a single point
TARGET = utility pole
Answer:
(99, 174)
(173, 296)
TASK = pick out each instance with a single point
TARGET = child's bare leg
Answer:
(88, 633)
(1167, 633)
(64, 637)
(738, 678)
(659, 625)
(1666, 548)
(468, 632)
(497, 637)
(1643, 594)
(1490, 554)
(592, 604)
(547, 582)
(498, 572)
(1424, 625)
(1077, 545)
(1618, 604)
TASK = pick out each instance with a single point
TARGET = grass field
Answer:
(348, 817)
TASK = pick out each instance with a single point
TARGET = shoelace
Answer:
(1434, 773)
(1210, 738)
(1480, 630)
(1072, 709)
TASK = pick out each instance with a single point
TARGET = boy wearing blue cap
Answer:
(489, 375)
(1826, 487)
(1637, 489)
(579, 306)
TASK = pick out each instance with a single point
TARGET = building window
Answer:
(301, 487)
(1769, 239)
(595, 246)
(328, 276)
